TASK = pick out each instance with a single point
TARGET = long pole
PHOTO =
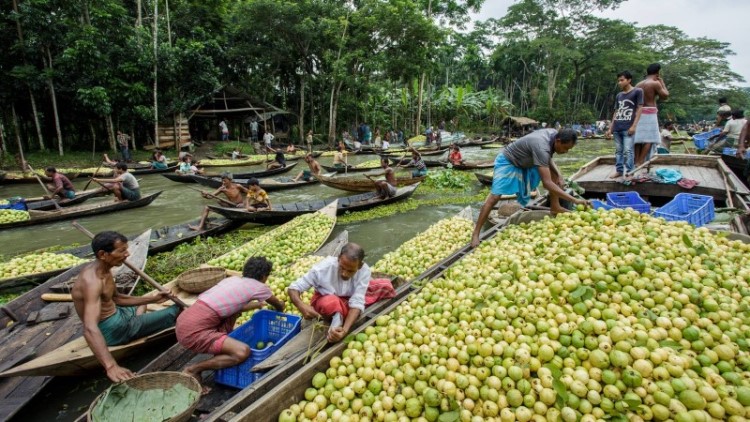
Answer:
(156, 73)
(39, 179)
(138, 271)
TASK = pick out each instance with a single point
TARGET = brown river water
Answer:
(65, 399)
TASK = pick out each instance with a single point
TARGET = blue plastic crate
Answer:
(628, 200)
(701, 139)
(695, 209)
(733, 152)
(266, 326)
(599, 205)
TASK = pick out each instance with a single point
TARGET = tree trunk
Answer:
(418, 120)
(301, 110)
(139, 20)
(93, 139)
(36, 121)
(18, 137)
(110, 132)
(51, 86)
(156, 74)
(3, 145)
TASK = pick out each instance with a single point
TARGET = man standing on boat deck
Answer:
(234, 192)
(647, 131)
(342, 290)
(122, 141)
(61, 185)
(629, 104)
(520, 168)
(109, 317)
(124, 185)
(203, 327)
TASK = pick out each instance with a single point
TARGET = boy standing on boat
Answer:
(629, 104)
(111, 318)
(647, 128)
(342, 290)
(203, 327)
(523, 165)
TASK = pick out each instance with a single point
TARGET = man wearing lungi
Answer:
(203, 327)
(111, 318)
(520, 168)
(342, 290)
(647, 134)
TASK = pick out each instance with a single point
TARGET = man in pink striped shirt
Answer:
(203, 327)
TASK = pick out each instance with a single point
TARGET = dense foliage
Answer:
(75, 72)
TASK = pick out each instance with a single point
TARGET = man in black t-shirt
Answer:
(624, 120)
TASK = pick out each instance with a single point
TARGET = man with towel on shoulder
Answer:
(342, 290)
(647, 130)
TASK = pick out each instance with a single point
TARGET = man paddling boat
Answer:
(124, 184)
(307, 175)
(111, 318)
(342, 290)
(204, 327)
(385, 188)
(233, 191)
(523, 165)
(61, 185)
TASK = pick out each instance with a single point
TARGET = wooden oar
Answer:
(39, 179)
(95, 174)
(212, 196)
(138, 271)
(729, 192)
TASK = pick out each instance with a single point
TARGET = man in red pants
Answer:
(342, 290)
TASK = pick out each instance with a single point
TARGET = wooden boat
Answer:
(33, 327)
(350, 169)
(485, 179)
(12, 283)
(75, 358)
(709, 171)
(265, 184)
(179, 178)
(41, 204)
(169, 169)
(285, 212)
(234, 163)
(17, 178)
(404, 162)
(188, 178)
(43, 217)
(297, 156)
(356, 184)
(739, 167)
(167, 238)
(471, 165)
(284, 385)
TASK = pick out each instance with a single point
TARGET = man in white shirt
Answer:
(267, 138)
(341, 286)
(730, 135)
(666, 135)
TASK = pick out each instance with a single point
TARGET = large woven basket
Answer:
(161, 380)
(199, 280)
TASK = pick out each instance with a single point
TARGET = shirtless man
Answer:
(111, 318)
(234, 193)
(647, 131)
(385, 188)
(307, 175)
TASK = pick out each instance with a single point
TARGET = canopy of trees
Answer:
(76, 71)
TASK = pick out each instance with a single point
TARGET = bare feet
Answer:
(194, 228)
(474, 241)
(615, 175)
(204, 390)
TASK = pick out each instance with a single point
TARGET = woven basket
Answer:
(161, 380)
(199, 280)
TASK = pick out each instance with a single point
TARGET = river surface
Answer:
(66, 398)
